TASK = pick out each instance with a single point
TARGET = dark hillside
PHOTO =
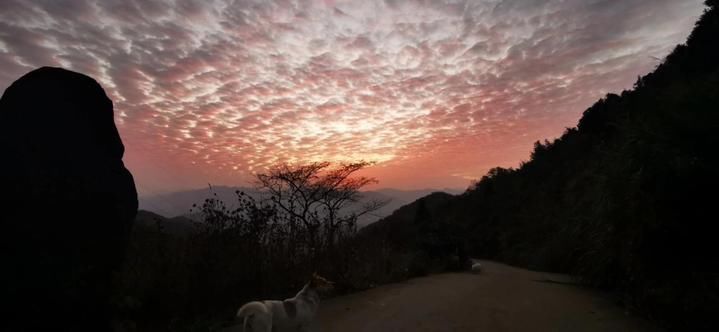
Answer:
(419, 233)
(626, 200)
(398, 227)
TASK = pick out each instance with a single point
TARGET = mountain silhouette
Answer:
(179, 203)
(68, 202)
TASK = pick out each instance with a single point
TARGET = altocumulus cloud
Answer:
(436, 91)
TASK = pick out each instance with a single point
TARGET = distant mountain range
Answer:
(177, 226)
(178, 204)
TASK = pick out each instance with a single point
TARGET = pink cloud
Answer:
(438, 92)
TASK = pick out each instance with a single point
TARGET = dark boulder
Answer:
(68, 202)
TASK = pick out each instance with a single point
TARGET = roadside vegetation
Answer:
(263, 247)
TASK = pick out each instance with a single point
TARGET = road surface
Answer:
(499, 298)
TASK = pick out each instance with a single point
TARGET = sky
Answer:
(436, 92)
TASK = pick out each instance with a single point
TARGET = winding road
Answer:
(499, 298)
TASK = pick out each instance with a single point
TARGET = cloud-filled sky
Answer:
(435, 91)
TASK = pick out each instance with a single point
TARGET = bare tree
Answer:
(321, 198)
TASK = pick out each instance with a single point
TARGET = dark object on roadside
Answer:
(476, 267)
(68, 202)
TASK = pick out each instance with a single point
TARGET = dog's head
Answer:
(319, 283)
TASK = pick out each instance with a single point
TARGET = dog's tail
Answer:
(248, 312)
(244, 322)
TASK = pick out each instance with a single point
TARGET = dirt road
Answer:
(500, 298)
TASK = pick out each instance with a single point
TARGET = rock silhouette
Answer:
(68, 202)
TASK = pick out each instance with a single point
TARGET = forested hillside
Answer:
(626, 200)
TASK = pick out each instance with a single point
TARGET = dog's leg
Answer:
(262, 324)
(305, 328)
(255, 323)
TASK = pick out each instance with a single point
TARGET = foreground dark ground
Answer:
(500, 298)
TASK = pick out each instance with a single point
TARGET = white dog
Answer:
(294, 314)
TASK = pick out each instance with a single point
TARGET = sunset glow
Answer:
(436, 92)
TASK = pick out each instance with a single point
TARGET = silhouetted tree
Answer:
(323, 199)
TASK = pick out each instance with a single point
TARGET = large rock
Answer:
(67, 202)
